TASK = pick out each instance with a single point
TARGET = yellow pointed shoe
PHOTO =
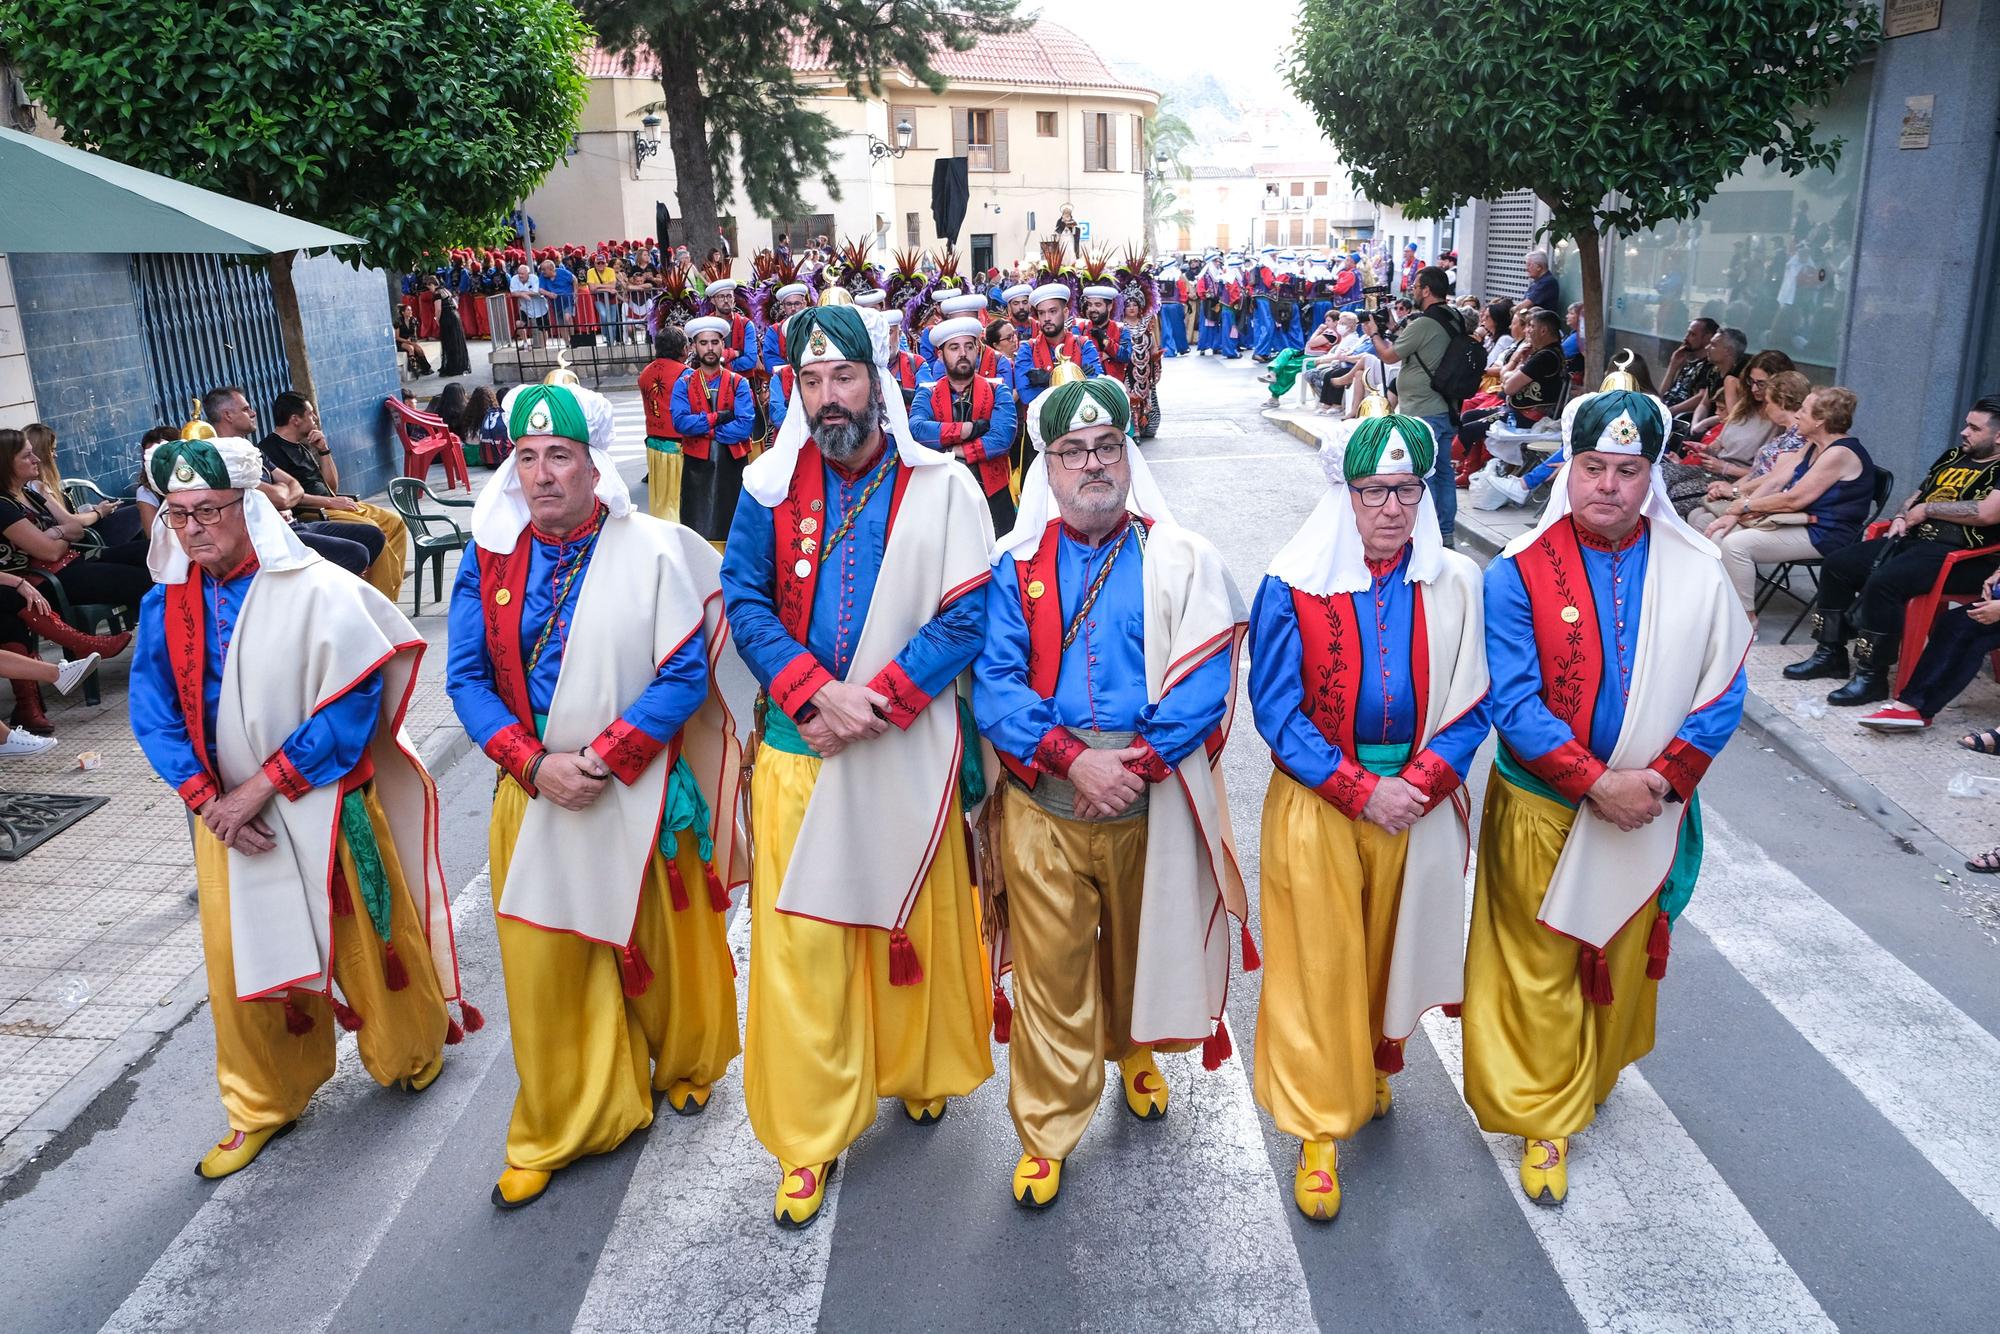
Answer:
(1545, 1170)
(1145, 1088)
(1037, 1181)
(1383, 1098)
(925, 1113)
(1316, 1180)
(801, 1193)
(688, 1098)
(425, 1077)
(519, 1187)
(237, 1150)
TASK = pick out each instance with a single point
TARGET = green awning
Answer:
(60, 199)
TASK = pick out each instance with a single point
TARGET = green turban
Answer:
(1097, 401)
(219, 464)
(828, 333)
(1616, 421)
(547, 409)
(1389, 444)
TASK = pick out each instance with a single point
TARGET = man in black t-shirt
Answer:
(1864, 588)
(1534, 389)
(298, 447)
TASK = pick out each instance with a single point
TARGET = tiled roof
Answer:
(1044, 54)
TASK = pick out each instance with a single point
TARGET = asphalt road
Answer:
(1814, 1143)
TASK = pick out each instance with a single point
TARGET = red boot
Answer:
(28, 715)
(74, 642)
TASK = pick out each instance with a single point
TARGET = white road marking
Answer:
(694, 1233)
(197, 1283)
(1159, 462)
(1651, 1237)
(1924, 1064)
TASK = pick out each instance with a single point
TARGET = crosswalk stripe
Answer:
(197, 1282)
(693, 1234)
(1926, 1066)
(1651, 1236)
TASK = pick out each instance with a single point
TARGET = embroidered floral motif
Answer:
(626, 750)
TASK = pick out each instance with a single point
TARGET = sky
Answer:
(1167, 33)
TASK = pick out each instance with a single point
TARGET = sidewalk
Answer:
(1919, 786)
(100, 946)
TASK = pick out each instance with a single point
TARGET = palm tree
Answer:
(1166, 137)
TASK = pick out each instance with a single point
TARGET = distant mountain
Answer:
(1243, 112)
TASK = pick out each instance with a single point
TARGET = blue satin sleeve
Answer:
(749, 582)
(1277, 688)
(674, 693)
(1009, 713)
(1524, 721)
(325, 747)
(157, 721)
(1187, 713)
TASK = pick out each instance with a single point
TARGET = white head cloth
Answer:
(1050, 292)
(1327, 556)
(769, 475)
(720, 286)
(963, 305)
(501, 511)
(276, 545)
(1017, 292)
(1101, 293)
(706, 324)
(1659, 508)
(961, 327)
(871, 300)
(792, 289)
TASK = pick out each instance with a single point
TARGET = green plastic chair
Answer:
(432, 536)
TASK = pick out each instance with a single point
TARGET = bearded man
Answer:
(852, 577)
(716, 414)
(970, 415)
(1112, 340)
(1054, 340)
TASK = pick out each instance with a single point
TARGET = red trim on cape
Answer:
(1570, 653)
(187, 657)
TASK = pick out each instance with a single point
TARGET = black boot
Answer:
(1829, 660)
(1873, 661)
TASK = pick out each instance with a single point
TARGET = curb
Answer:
(23, 1145)
(1785, 737)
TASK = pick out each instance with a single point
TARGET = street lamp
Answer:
(645, 142)
(879, 149)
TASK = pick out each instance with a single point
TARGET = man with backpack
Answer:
(1441, 369)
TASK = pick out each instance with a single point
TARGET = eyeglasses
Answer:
(205, 515)
(1406, 494)
(1076, 460)
(1759, 382)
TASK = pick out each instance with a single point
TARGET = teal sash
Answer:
(1686, 868)
(662, 444)
(1384, 761)
(685, 808)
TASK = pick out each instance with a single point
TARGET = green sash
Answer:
(661, 444)
(1384, 761)
(1686, 868)
(359, 832)
(685, 808)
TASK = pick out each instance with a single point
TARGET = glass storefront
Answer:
(1769, 254)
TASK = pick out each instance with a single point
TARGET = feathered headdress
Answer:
(1135, 280)
(678, 301)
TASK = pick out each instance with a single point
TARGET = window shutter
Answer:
(1139, 144)
(960, 121)
(1000, 140)
(1111, 149)
(1090, 149)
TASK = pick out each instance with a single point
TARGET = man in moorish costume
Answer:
(663, 441)
(583, 641)
(268, 690)
(1021, 309)
(1111, 339)
(1105, 686)
(715, 411)
(970, 414)
(1054, 341)
(852, 578)
(786, 302)
(743, 345)
(1616, 647)
(1368, 680)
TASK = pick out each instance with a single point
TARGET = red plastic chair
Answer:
(427, 440)
(1922, 612)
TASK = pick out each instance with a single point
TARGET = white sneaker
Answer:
(21, 742)
(69, 674)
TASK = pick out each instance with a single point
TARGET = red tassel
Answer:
(345, 1016)
(297, 1021)
(1003, 1015)
(393, 971)
(474, 1020)
(1453, 1011)
(1216, 1047)
(633, 971)
(1389, 1056)
(1252, 960)
(336, 888)
(1594, 974)
(453, 1034)
(718, 897)
(905, 969)
(1658, 945)
(677, 889)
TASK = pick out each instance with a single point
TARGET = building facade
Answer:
(1042, 122)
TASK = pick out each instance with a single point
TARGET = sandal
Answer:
(1983, 743)
(1986, 863)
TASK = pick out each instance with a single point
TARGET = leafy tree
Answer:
(1165, 133)
(414, 124)
(735, 111)
(1618, 114)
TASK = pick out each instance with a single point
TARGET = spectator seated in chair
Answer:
(22, 607)
(1783, 395)
(297, 445)
(1865, 588)
(24, 671)
(1963, 638)
(1810, 506)
(1533, 389)
(31, 527)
